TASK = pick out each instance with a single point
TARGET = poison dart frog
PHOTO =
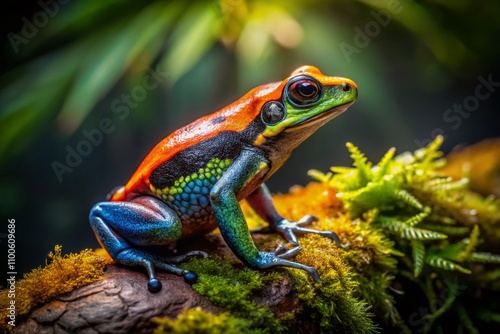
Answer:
(191, 182)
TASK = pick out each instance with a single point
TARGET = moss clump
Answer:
(231, 286)
(332, 303)
(61, 275)
(369, 253)
(433, 219)
(197, 321)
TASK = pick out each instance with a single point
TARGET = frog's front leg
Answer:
(231, 221)
(261, 201)
(120, 227)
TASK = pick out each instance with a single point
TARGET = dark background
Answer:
(408, 75)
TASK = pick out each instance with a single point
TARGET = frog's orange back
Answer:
(234, 118)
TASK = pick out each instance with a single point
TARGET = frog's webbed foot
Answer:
(280, 256)
(144, 221)
(287, 230)
(134, 257)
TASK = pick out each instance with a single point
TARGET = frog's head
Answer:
(300, 104)
(308, 98)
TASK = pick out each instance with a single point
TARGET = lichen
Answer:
(62, 274)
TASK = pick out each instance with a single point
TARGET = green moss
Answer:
(332, 303)
(197, 321)
(437, 222)
(231, 286)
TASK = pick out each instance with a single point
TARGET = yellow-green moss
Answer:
(433, 219)
(332, 302)
(61, 275)
(197, 321)
(337, 304)
(370, 254)
(231, 286)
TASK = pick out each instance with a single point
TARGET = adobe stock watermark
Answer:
(372, 29)
(11, 272)
(419, 319)
(455, 115)
(94, 137)
(40, 19)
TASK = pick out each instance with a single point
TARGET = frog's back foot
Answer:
(134, 257)
(120, 227)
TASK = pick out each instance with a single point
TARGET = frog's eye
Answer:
(272, 112)
(304, 91)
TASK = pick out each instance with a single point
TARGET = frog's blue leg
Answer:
(261, 201)
(231, 222)
(144, 221)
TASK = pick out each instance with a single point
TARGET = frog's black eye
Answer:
(272, 112)
(304, 91)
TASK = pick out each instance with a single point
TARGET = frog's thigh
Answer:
(144, 221)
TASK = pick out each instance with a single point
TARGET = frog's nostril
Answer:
(346, 87)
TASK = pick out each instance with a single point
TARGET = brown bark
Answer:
(118, 303)
(121, 303)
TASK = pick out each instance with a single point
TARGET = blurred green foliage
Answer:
(89, 46)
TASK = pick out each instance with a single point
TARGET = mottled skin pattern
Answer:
(191, 182)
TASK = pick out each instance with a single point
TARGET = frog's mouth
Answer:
(320, 118)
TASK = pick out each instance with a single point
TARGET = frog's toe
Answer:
(269, 259)
(280, 249)
(288, 229)
(190, 277)
(285, 253)
(306, 220)
(154, 285)
(327, 234)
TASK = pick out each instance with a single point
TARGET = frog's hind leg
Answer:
(144, 221)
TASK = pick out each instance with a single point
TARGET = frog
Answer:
(193, 180)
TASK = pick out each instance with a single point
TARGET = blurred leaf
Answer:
(196, 33)
(33, 98)
(90, 45)
(444, 44)
(116, 49)
(480, 163)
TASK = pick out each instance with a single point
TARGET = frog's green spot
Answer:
(193, 190)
